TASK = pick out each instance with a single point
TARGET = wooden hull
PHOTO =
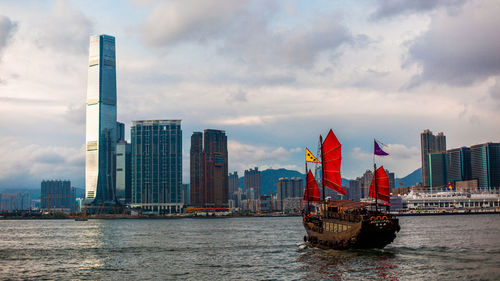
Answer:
(339, 234)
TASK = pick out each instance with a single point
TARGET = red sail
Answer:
(331, 158)
(312, 188)
(382, 192)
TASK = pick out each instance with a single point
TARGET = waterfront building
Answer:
(101, 125)
(123, 172)
(288, 188)
(157, 166)
(266, 203)
(185, 194)
(292, 205)
(485, 165)
(57, 195)
(458, 162)
(392, 180)
(354, 191)
(20, 201)
(440, 201)
(196, 170)
(233, 186)
(438, 174)
(430, 143)
(365, 181)
(209, 169)
(252, 180)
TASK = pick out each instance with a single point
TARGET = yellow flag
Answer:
(310, 157)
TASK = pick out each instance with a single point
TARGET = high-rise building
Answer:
(354, 190)
(459, 164)
(101, 135)
(288, 188)
(430, 143)
(157, 165)
(120, 131)
(438, 171)
(209, 169)
(185, 194)
(123, 171)
(485, 164)
(233, 186)
(197, 191)
(57, 195)
(252, 180)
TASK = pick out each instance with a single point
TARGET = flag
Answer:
(310, 157)
(377, 150)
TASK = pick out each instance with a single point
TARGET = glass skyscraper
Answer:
(485, 162)
(459, 164)
(101, 135)
(157, 165)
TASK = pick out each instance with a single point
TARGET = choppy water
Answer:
(427, 248)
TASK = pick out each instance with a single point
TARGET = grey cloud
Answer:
(459, 49)
(495, 90)
(14, 100)
(75, 114)
(238, 96)
(7, 28)
(243, 30)
(392, 8)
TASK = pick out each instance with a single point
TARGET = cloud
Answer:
(238, 96)
(7, 29)
(391, 8)
(458, 49)
(495, 90)
(245, 31)
(242, 156)
(402, 159)
(66, 29)
(25, 165)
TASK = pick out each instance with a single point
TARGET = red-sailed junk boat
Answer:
(345, 224)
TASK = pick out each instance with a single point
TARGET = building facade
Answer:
(57, 195)
(197, 191)
(459, 164)
(123, 172)
(252, 180)
(209, 169)
(430, 143)
(288, 188)
(485, 165)
(101, 125)
(157, 165)
(233, 188)
(438, 171)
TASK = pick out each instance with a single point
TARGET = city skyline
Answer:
(328, 67)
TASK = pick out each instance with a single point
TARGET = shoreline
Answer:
(122, 217)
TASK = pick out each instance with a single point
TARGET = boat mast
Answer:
(307, 191)
(322, 168)
(375, 180)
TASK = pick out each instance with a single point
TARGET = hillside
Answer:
(411, 179)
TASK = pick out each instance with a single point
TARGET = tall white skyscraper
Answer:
(101, 133)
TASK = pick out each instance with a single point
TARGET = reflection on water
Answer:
(444, 247)
(349, 265)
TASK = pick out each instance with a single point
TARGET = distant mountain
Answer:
(269, 177)
(411, 179)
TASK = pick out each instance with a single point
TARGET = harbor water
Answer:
(463, 247)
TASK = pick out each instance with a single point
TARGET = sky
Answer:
(273, 74)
